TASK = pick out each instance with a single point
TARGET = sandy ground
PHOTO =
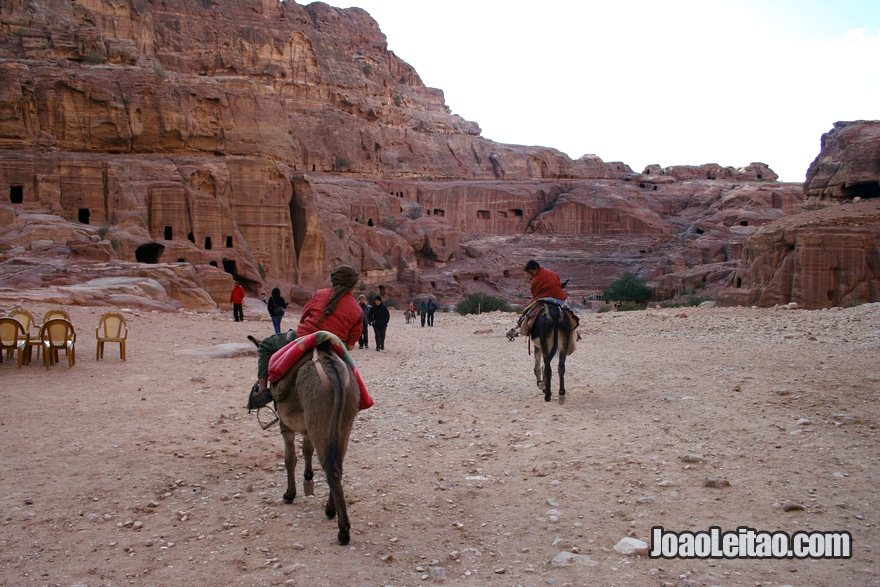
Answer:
(150, 471)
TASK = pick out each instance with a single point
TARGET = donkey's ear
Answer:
(253, 340)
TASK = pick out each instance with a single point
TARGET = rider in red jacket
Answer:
(545, 283)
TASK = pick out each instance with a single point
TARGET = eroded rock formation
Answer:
(267, 141)
(830, 255)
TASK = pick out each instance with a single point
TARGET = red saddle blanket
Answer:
(284, 359)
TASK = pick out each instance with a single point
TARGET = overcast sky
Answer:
(677, 82)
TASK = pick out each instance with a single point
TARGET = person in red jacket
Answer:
(545, 283)
(237, 299)
(333, 309)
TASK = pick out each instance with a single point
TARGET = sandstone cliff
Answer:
(267, 141)
(829, 256)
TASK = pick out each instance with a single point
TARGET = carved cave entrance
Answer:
(83, 215)
(297, 207)
(16, 194)
(229, 267)
(862, 190)
(149, 253)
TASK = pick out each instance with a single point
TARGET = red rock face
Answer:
(848, 165)
(816, 259)
(271, 141)
(828, 256)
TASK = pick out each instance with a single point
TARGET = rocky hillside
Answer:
(830, 255)
(184, 144)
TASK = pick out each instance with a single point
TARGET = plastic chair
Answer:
(11, 333)
(115, 330)
(26, 319)
(56, 313)
(57, 335)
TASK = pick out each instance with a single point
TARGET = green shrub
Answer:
(479, 302)
(629, 288)
(630, 307)
(414, 213)
(690, 301)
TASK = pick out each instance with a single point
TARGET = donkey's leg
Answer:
(561, 373)
(308, 450)
(539, 377)
(548, 375)
(336, 504)
(289, 461)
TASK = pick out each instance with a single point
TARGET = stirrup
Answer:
(273, 415)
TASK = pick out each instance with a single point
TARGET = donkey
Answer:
(318, 397)
(409, 316)
(551, 333)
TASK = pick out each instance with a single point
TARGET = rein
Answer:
(322, 375)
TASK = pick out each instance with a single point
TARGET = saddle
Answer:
(530, 314)
(294, 356)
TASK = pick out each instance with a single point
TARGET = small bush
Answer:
(414, 213)
(479, 302)
(690, 301)
(630, 307)
(629, 288)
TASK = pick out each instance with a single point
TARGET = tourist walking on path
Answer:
(364, 340)
(423, 312)
(380, 317)
(237, 299)
(277, 306)
(432, 307)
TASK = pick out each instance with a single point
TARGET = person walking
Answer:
(237, 299)
(432, 307)
(379, 316)
(364, 340)
(423, 312)
(333, 309)
(276, 306)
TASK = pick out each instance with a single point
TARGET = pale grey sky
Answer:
(672, 82)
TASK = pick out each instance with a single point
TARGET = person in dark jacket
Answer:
(432, 307)
(276, 309)
(379, 317)
(423, 311)
(364, 340)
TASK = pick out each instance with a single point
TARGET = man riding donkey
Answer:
(546, 289)
(333, 309)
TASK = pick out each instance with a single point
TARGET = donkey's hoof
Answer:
(546, 397)
(561, 400)
(288, 497)
(330, 512)
(541, 385)
(343, 537)
(309, 487)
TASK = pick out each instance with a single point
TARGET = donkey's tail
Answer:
(340, 380)
(554, 318)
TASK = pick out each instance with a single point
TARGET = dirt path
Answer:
(150, 472)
